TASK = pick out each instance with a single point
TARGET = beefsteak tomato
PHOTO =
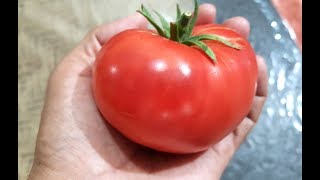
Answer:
(173, 93)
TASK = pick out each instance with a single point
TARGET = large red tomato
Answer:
(172, 97)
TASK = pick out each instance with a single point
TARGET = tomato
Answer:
(172, 97)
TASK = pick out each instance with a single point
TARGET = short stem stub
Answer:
(185, 19)
(174, 36)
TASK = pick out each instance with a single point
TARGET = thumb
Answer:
(248, 123)
(62, 82)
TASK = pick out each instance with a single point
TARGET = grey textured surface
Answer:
(273, 151)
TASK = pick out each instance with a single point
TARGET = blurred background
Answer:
(47, 30)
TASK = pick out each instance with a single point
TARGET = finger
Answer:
(261, 90)
(85, 52)
(239, 24)
(78, 61)
(106, 31)
(207, 14)
(102, 33)
(241, 132)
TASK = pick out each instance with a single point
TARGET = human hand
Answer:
(75, 142)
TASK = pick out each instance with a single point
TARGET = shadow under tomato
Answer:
(147, 159)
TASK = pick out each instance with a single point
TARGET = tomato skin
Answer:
(172, 97)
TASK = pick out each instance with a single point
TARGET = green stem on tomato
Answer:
(181, 30)
(174, 34)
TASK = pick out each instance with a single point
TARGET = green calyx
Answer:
(181, 30)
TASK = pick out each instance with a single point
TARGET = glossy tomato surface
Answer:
(172, 97)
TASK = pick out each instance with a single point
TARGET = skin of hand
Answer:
(75, 142)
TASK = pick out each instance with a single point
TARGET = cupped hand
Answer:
(75, 142)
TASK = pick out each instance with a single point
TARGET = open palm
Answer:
(75, 142)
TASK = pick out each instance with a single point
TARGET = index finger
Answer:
(105, 31)
(207, 14)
